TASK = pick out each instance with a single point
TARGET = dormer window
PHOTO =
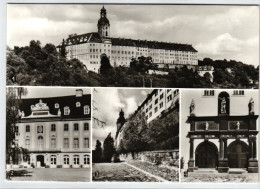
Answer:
(66, 110)
(86, 110)
(78, 104)
(57, 105)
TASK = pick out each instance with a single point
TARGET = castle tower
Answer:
(121, 120)
(103, 24)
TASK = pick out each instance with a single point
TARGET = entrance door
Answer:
(237, 155)
(206, 155)
(40, 158)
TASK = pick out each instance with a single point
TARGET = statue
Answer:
(251, 106)
(192, 108)
(223, 106)
(207, 126)
(238, 125)
(59, 112)
(23, 114)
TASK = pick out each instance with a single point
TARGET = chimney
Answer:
(79, 92)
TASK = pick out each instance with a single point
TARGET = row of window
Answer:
(66, 160)
(53, 127)
(212, 92)
(53, 143)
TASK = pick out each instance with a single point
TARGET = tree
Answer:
(97, 153)
(105, 65)
(13, 101)
(109, 148)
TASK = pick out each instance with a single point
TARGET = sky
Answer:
(216, 31)
(108, 102)
(43, 92)
(207, 106)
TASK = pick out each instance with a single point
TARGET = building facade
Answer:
(158, 101)
(226, 139)
(56, 131)
(90, 47)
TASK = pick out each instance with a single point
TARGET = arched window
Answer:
(53, 160)
(86, 109)
(86, 160)
(76, 159)
(40, 142)
(66, 160)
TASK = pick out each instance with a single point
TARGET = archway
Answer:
(206, 155)
(40, 158)
(237, 154)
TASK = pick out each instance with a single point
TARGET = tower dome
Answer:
(103, 24)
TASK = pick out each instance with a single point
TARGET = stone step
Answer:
(205, 171)
(237, 171)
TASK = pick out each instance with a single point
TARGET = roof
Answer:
(94, 37)
(63, 101)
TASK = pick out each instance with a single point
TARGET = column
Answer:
(225, 148)
(191, 148)
(254, 148)
(191, 166)
(250, 148)
(252, 162)
(221, 153)
(223, 161)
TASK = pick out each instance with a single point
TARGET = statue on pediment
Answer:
(59, 112)
(192, 107)
(251, 106)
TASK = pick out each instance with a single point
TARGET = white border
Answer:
(39, 184)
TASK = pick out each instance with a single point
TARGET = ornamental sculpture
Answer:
(207, 126)
(223, 109)
(251, 106)
(192, 108)
(238, 125)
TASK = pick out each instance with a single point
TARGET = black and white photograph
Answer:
(48, 134)
(133, 45)
(219, 130)
(135, 135)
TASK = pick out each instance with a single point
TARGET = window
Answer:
(156, 101)
(53, 143)
(76, 126)
(86, 126)
(238, 92)
(150, 114)
(66, 110)
(16, 129)
(209, 93)
(168, 90)
(27, 143)
(86, 160)
(161, 105)
(27, 128)
(76, 159)
(155, 109)
(76, 143)
(146, 117)
(86, 109)
(161, 96)
(156, 93)
(53, 127)
(86, 143)
(66, 160)
(150, 107)
(53, 160)
(146, 110)
(78, 104)
(66, 143)
(66, 127)
(169, 98)
(57, 105)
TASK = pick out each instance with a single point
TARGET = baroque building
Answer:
(227, 139)
(56, 131)
(155, 104)
(90, 47)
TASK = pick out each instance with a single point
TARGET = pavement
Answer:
(120, 172)
(56, 174)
